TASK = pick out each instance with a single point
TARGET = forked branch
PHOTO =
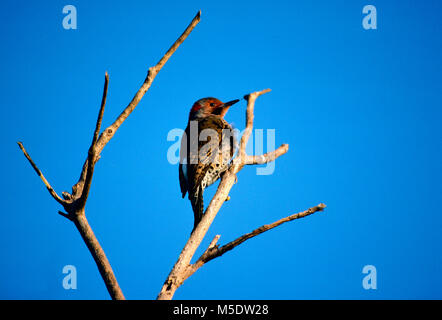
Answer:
(92, 153)
(110, 131)
(214, 251)
(74, 203)
(183, 268)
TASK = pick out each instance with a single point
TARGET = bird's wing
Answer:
(208, 151)
(183, 180)
(209, 147)
(211, 142)
(183, 165)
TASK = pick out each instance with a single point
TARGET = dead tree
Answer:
(183, 268)
(74, 202)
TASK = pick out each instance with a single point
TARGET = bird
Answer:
(207, 147)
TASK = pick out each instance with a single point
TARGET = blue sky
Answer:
(360, 109)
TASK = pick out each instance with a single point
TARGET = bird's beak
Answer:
(229, 104)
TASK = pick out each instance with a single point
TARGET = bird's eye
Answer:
(212, 104)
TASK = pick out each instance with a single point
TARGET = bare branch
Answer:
(182, 268)
(92, 153)
(101, 112)
(249, 122)
(99, 256)
(178, 42)
(213, 251)
(212, 246)
(75, 203)
(268, 157)
(42, 177)
(109, 132)
(216, 252)
(213, 243)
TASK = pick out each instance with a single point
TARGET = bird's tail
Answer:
(197, 205)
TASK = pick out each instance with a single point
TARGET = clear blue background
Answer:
(361, 110)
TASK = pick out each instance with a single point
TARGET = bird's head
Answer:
(209, 106)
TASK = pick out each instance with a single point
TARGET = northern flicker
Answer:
(207, 146)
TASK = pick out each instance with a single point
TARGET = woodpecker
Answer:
(207, 146)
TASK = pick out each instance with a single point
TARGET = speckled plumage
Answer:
(204, 159)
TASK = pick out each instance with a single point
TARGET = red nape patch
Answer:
(195, 107)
